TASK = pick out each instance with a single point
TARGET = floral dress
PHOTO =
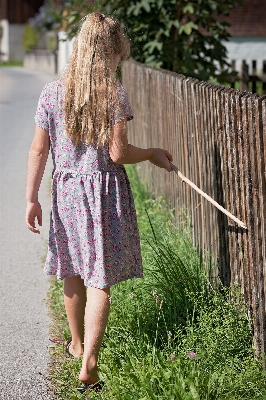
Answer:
(93, 226)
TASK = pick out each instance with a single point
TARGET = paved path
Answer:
(24, 322)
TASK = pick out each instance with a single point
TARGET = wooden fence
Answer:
(256, 78)
(217, 137)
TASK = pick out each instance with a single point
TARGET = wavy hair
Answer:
(90, 86)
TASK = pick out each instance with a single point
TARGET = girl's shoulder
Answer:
(53, 87)
(120, 89)
(52, 95)
(124, 110)
(122, 94)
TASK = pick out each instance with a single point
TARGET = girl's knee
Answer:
(98, 291)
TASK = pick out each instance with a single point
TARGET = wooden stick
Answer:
(184, 179)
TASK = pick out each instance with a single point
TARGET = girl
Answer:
(93, 237)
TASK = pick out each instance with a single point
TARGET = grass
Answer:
(11, 63)
(259, 89)
(172, 335)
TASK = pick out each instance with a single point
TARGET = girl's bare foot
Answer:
(89, 373)
(75, 350)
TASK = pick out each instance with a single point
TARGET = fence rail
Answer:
(218, 140)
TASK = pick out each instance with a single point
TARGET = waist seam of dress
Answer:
(78, 173)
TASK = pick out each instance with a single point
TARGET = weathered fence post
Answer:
(254, 78)
(244, 77)
(233, 68)
(264, 77)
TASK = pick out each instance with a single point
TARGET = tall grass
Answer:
(172, 335)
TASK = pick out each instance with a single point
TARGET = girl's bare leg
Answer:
(75, 302)
(96, 317)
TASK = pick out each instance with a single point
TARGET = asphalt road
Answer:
(24, 321)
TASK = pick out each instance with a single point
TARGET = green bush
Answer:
(29, 38)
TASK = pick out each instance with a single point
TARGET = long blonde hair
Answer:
(91, 94)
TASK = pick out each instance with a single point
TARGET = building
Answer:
(248, 33)
(13, 16)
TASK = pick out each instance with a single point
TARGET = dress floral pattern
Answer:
(93, 225)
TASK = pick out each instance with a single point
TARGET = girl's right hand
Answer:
(33, 211)
(161, 158)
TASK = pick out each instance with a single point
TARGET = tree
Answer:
(184, 36)
(48, 18)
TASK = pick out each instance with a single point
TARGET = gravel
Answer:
(24, 320)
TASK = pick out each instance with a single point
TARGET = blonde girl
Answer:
(93, 237)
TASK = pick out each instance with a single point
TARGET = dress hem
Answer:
(61, 278)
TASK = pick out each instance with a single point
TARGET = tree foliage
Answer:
(184, 36)
(48, 18)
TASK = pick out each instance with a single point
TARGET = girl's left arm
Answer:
(38, 154)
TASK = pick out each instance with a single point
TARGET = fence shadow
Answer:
(223, 256)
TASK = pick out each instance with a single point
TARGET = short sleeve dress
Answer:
(93, 225)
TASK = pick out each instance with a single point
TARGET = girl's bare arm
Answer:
(122, 152)
(38, 154)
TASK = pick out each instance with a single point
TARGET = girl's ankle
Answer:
(76, 349)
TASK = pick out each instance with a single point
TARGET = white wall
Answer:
(4, 48)
(246, 49)
(16, 51)
(64, 50)
(42, 61)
